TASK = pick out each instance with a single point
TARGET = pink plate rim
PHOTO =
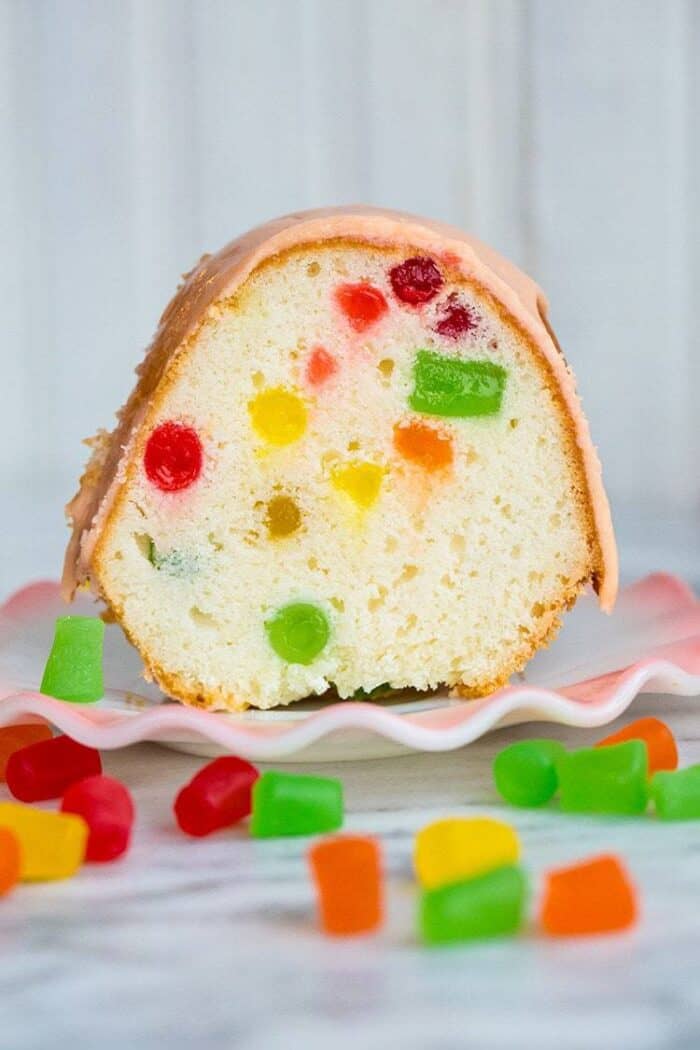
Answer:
(442, 725)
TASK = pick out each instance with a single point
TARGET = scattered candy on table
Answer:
(10, 860)
(591, 896)
(291, 804)
(604, 779)
(107, 808)
(676, 795)
(460, 847)
(348, 877)
(218, 796)
(488, 905)
(525, 773)
(660, 741)
(52, 845)
(13, 738)
(74, 668)
(47, 769)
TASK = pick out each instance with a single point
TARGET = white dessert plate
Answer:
(590, 674)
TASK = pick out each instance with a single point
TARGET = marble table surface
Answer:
(213, 943)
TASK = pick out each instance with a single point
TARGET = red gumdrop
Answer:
(216, 797)
(173, 457)
(106, 806)
(455, 318)
(362, 304)
(320, 366)
(416, 280)
(47, 769)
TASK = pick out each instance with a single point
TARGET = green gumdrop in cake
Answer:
(676, 795)
(605, 779)
(489, 905)
(290, 804)
(448, 386)
(298, 632)
(74, 668)
(525, 773)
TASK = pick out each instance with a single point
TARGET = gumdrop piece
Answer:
(604, 779)
(361, 481)
(107, 808)
(47, 769)
(525, 773)
(14, 738)
(416, 281)
(593, 896)
(291, 804)
(448, 386)
(283, 517)
(347, 873)
(74, 668)
(298, 632)
(455, 318)
(460, 848)
(320, 367)
(676, 795)
(10, 860)
(181, 564)
(660, 741)
(218, 796)
(278, 416)
(422, 444)
(173, 458)
(362, 304)
(52, 845)
(489, 905)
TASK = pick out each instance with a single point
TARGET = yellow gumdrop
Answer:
(278, 415)
(361, 481)
(52, 844)
(459, 848)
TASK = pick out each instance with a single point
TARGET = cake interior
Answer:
(442, 574)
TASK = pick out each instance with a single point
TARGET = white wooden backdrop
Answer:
(136, 134)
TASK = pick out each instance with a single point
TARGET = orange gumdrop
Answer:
(347, 873)
(320, 366)
(424, 445)
(362, 304)
(660, 741)
(12, 738)
(10, 860)
(593, 896)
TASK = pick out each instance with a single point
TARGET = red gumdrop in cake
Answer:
(362, 304)
(173, 457)
(320, 367)
(455, 318)
(416, 281)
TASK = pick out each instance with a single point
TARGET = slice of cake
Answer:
(354, 459)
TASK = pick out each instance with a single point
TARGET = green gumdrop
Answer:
(526, 773)
(298, 632)
(604, 779)
(74, 668)
(290, 804)
(448, 386)
(364, 694)
(676, 795)
(489, 905)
